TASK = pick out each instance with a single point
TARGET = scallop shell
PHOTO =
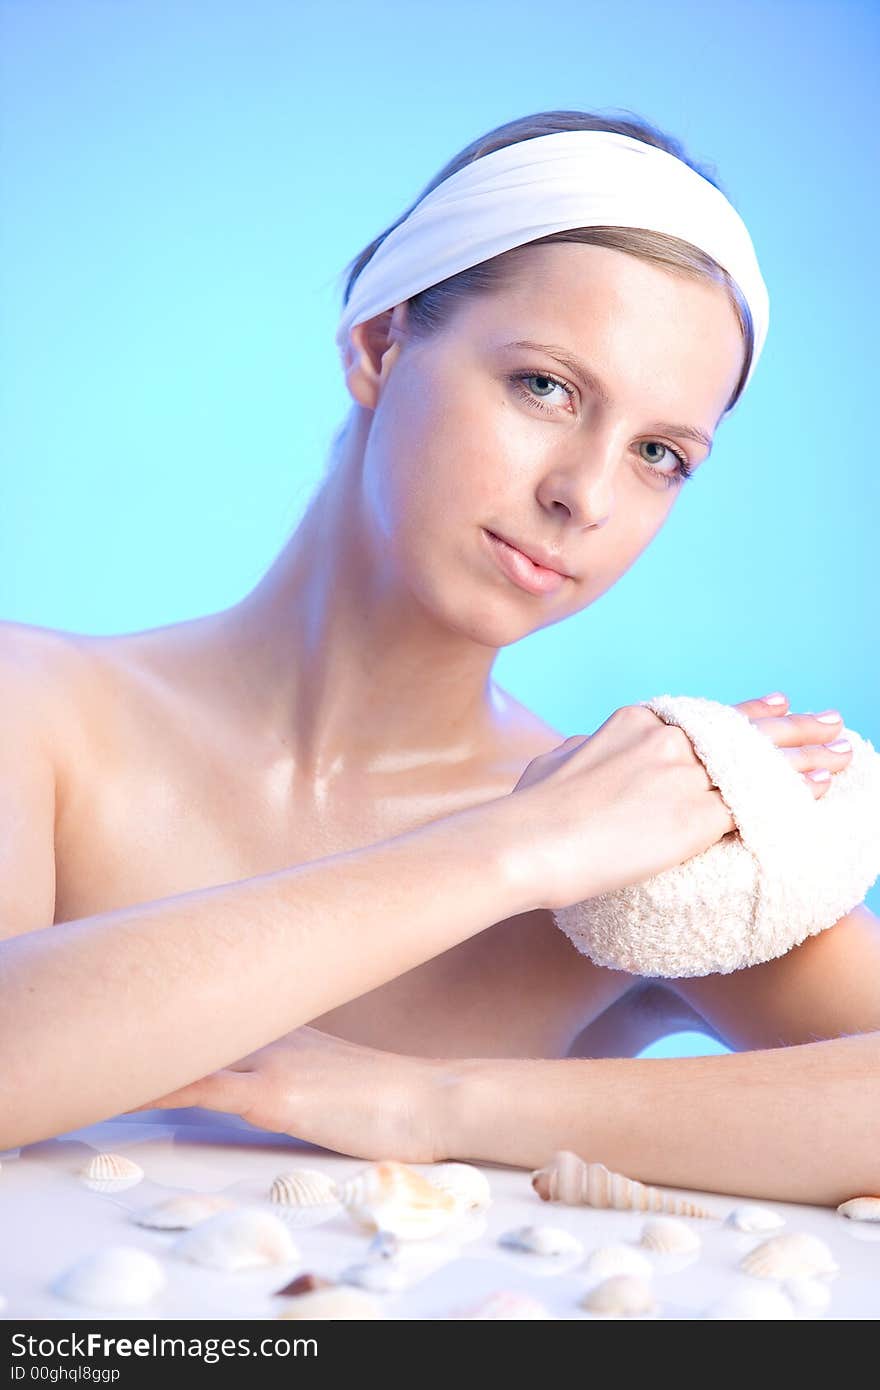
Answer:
(752, 1302)
(668, 1236)
(790, 1256)
(568, 1178)
(813, 1295)
(505, 1304)
(118, 1276)
(606, 1260)
(182, 1212)
(381, 1276)
(390, 1196)
(304, 1187)
(340, 1302)
(244, 1238)
(108, 1172)
(467, 1184)
(621, 1295)
(542, 1240)
(753, 1218)
(861, 1208)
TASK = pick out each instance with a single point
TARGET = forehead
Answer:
(655, 337)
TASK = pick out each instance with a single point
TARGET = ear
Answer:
(371, 351)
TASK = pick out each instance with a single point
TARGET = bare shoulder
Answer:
(529, 734)
(39, 666)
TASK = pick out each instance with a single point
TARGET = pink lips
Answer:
(535, 579)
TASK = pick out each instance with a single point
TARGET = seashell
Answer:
(390, 1196)
(753, 1218)
(382, 1276)
(622, 1296)
(383, 1246)
(568, 1178)
(667, 1236)
(182, 1212)
(343, 1301)
(244, 1238)
(606, 1260)
(467, 1184)
(304, 1187)
(752, 1302)
(861, 1208)
(107, 1172)
(542, 1240)
(117, 1276)
(505, 1304)
(790, 1256)
(305, 1283)
(814, 1295)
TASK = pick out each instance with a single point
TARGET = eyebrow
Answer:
(598, 387)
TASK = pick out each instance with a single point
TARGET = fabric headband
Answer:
(552, 183)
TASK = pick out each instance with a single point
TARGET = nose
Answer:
(582, 481)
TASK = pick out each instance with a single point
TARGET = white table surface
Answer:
(50, 1219)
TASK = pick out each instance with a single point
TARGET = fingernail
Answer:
(775, 699)
(820, 774)
(829, 716)
(840, 745)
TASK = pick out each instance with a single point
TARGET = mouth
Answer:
(522, 569)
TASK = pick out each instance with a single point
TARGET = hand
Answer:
(616, 807)
(340, 1095)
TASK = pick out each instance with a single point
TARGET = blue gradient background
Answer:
(182, 184)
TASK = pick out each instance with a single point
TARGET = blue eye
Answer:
(547, 384)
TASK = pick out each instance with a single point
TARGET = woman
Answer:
(278, 847)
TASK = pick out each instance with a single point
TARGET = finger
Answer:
(798, 730)
(763, 708)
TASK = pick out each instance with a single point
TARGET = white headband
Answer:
(552, 183)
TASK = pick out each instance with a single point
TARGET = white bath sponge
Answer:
(795, 865)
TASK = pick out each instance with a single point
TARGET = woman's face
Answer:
(471, 435)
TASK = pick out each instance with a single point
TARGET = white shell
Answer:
(467, 1184)
(118, 1276)
(542, 1240)
(669, 1236)
(621, 1295)
(861, 1208)
(606, 1260)
(304, 1187)
(391, 1196)
(814, 1295)
(182, 1212)
(107, 1172)
(753, 1219)
(790, 1256)
(752, 1302)
(382, 1276)
(244, 1238)
(506, 1304)
(341, 1302)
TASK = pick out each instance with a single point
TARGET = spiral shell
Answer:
(108, 1172)
(568, 1178)
(622, 1296)
(390, 1196)
(304, 1187)
(667, 1236)
(792, 1255)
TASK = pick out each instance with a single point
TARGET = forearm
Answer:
(107, 1012)
(796, 1124)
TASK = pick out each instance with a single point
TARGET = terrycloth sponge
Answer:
(794, 866)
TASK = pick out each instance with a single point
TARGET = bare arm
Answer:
(793, 1124)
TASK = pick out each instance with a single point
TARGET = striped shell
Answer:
(463, 1181)
(622, 1296)
(304, 1187)
(861, 1208)
(108, 1172)
(667, 1236)
(606, 1260)
(390, 1196)
(570, 1179)
(791, 1255)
